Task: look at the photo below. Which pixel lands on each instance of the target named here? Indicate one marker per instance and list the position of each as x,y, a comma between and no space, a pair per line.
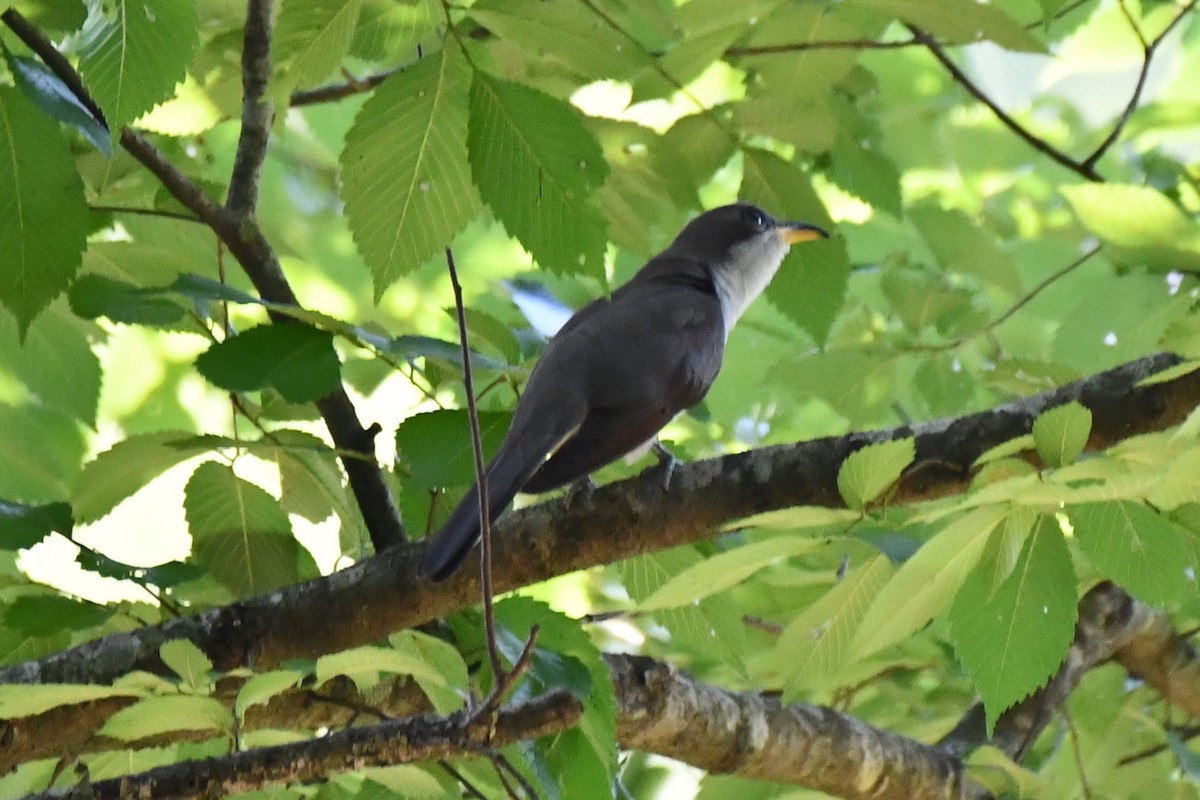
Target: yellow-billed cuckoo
622,367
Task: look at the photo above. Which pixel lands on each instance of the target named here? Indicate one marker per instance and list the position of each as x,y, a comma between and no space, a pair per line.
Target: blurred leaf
98,296
43,615
295,359
859,168
868,472
311,38
132,60
961,21
43,217
388,32
187,661
25,700
366,660
405,179
1061,433
719,572
57,101
261,687
126,467
960,245
24,526
1012,638
445,661
152,716
435,447
55,362
1134,547
1140,221
537,167
41,451
240,533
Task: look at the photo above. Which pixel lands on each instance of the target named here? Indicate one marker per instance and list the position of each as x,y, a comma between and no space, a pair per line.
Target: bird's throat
746,274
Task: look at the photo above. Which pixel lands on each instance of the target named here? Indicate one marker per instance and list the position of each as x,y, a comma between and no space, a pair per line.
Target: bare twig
1148,50
825,44
1036,142
57,63
338,91
257,109
485,517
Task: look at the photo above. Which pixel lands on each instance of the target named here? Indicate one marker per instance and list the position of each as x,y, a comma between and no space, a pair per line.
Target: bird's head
743,246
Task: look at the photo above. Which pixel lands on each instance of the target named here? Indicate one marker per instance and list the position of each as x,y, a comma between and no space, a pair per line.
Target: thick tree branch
257,109
379,595
399,741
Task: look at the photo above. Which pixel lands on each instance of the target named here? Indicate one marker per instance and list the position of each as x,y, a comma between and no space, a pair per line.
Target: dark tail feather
507,473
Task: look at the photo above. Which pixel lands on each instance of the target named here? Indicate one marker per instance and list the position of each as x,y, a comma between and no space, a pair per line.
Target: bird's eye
756,219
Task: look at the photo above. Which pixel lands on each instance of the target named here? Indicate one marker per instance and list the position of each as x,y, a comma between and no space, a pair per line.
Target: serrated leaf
817,644
24,526
95,296
152,716
405,178
961,245
811,283
867,473
57,101
1012,639
1139,220
1180,484
435,447
133,60
538,168
370,659
126,467
961,21
1061,433
1134,547
926,583
297,360
187,661
446,662
311,38
55,361
41,451
26,700
241,534
43,217
263,686
721,571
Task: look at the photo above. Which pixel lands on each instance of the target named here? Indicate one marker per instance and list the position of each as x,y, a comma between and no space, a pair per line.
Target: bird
623,366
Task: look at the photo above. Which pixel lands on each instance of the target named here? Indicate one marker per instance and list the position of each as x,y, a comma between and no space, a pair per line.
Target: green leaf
263,686
961,21
719,572
926,583
861,169
961,245
24,526
1134,547
152,716
538,168
25,700
57,101
311,38
811,283
1140,221
405,178
868,472
816,645
446,662
132,61
95,296
435,447
241,534
1061,433
43,218
187,661
41,451
1011,639
1180,484
295,359
55,361
366,660
47,614
126,467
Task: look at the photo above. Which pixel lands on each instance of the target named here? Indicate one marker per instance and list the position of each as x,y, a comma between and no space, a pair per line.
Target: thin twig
148,212
1148,50
462,779
1037,143
1085,790
339,91
507,765
36,41
826,44
257,108
485,517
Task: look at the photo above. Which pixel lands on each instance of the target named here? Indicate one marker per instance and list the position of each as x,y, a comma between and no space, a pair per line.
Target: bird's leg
582,487
667,462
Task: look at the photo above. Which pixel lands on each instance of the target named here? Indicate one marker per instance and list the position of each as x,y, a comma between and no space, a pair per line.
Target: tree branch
257,110
379,595
1037,143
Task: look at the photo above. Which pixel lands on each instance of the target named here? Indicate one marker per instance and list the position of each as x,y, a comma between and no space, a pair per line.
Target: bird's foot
667,462
577,489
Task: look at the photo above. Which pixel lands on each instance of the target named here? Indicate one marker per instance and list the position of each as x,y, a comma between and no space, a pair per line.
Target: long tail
522,453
